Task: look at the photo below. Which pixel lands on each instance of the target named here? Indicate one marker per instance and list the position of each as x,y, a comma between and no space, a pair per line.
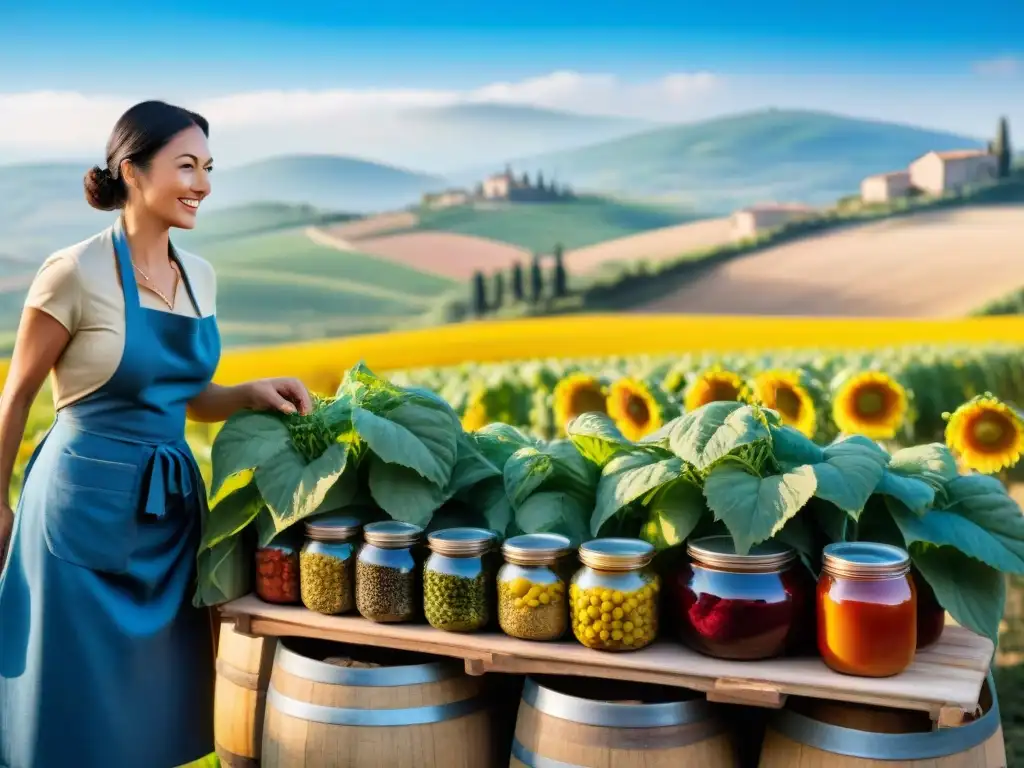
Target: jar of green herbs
458,579
388,572
327,563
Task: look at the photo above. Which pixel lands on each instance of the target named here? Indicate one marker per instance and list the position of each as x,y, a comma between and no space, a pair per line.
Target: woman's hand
6,526
284,395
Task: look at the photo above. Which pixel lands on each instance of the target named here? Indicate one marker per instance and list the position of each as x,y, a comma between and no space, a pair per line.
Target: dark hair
139,134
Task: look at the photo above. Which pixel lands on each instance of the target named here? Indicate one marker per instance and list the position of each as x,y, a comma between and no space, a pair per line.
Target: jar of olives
531,587
327,563
614,595
458,579
387,573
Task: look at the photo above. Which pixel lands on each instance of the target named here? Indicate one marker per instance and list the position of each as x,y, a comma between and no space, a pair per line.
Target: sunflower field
899,395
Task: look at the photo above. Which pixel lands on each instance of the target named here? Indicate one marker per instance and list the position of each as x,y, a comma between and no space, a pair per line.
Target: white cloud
63,123
1003,66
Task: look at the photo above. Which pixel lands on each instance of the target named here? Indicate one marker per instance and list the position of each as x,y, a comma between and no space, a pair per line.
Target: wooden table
945,680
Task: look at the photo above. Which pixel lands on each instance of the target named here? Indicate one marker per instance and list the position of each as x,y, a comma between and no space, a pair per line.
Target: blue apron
103,660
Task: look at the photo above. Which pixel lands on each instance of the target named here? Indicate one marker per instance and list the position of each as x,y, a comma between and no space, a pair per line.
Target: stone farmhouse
502,187
935,173
756,219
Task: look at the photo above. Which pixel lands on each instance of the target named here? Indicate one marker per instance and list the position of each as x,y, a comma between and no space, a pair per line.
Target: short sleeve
57,291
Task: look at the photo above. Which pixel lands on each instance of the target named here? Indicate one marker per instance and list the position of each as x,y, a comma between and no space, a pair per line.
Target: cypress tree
536,280
1003,150
479,295
499,289
517,282
560,282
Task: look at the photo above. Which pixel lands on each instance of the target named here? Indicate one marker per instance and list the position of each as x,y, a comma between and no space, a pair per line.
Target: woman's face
177,180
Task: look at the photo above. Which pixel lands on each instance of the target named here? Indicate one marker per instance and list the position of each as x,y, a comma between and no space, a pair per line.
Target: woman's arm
40,342
218,403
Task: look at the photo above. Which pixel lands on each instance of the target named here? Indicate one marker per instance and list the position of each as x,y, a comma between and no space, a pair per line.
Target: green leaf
224,573
973,593
554,512
673,514
246,441
830,519
624,482
341,494
231,515
915,494
597,438
985,502
471,466
753,508
489,497
556,466
850,472
933,463
704,436
792,448
403,493
499,441
416,435
525,470
293,489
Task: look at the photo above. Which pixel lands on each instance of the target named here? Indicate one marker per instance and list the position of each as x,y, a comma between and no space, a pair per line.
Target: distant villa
504,186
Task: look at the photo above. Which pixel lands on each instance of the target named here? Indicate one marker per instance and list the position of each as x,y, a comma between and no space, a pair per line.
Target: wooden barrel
568,723
855,736
409,712
243,672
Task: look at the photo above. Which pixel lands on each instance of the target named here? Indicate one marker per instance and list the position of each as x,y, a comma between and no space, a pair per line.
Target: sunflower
986,434
786,392
637,408
575,394
475,415
870,403
715,384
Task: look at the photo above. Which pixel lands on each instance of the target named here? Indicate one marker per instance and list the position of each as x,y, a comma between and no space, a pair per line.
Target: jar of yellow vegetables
531,586
614,596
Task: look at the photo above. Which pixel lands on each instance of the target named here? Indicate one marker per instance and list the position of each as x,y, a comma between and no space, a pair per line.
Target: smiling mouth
189,202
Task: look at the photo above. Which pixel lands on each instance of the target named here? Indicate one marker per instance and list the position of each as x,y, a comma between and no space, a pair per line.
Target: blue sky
66,68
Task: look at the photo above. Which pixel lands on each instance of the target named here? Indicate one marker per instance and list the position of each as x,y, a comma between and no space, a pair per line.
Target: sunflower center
870,402
587,401
638,411
989,430
787,402
722,390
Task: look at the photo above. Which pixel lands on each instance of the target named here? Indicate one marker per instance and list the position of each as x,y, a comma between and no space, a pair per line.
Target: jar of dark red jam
867,609
931,617
742,607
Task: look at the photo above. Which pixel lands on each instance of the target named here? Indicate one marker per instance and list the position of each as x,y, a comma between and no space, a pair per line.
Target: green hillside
722,164
539,226
280,287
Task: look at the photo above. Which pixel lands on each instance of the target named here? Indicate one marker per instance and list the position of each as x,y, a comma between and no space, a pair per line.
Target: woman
103,660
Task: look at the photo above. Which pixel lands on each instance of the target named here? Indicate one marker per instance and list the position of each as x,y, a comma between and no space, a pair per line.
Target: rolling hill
932,264
721,164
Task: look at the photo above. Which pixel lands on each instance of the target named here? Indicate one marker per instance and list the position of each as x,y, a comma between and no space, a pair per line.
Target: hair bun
102,190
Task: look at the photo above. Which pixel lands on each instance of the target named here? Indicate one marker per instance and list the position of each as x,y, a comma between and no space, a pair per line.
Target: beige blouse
80,288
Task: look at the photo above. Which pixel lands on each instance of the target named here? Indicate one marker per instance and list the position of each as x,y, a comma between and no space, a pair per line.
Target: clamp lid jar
867,609
532,585
740,606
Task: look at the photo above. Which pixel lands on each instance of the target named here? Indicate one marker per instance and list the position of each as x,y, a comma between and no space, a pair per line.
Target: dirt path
938,264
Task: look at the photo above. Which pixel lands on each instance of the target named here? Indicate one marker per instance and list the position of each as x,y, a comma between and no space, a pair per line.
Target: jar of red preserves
742,607
867,609
931,617
277,573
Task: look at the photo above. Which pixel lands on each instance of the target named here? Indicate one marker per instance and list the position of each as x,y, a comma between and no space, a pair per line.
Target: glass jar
458,579
387,576
741,607
531,586
277,573
931,617
327,563
615,595
867,609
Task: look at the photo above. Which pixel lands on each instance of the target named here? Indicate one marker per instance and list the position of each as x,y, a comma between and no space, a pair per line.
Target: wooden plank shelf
945,680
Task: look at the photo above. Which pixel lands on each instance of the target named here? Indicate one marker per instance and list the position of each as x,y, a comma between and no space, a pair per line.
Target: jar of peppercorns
532,586
327,563
614,595
388,585
277,572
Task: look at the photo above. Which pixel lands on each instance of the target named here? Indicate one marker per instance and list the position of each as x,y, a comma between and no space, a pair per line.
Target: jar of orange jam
867,609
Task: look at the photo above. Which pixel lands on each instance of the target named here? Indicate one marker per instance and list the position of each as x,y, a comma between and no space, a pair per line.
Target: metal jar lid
536,548
865,560
616,554
720,552
392,534
333,527
462,542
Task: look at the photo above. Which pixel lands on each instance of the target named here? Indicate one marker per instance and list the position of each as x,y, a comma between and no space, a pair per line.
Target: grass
257,218
539,226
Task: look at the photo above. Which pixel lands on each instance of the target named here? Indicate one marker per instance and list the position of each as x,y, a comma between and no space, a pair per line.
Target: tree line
519,285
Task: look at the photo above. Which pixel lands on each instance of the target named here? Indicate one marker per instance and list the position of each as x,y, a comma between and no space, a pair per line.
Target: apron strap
188,283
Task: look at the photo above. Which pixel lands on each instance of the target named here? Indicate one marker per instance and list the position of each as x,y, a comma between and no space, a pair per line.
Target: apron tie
168,474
